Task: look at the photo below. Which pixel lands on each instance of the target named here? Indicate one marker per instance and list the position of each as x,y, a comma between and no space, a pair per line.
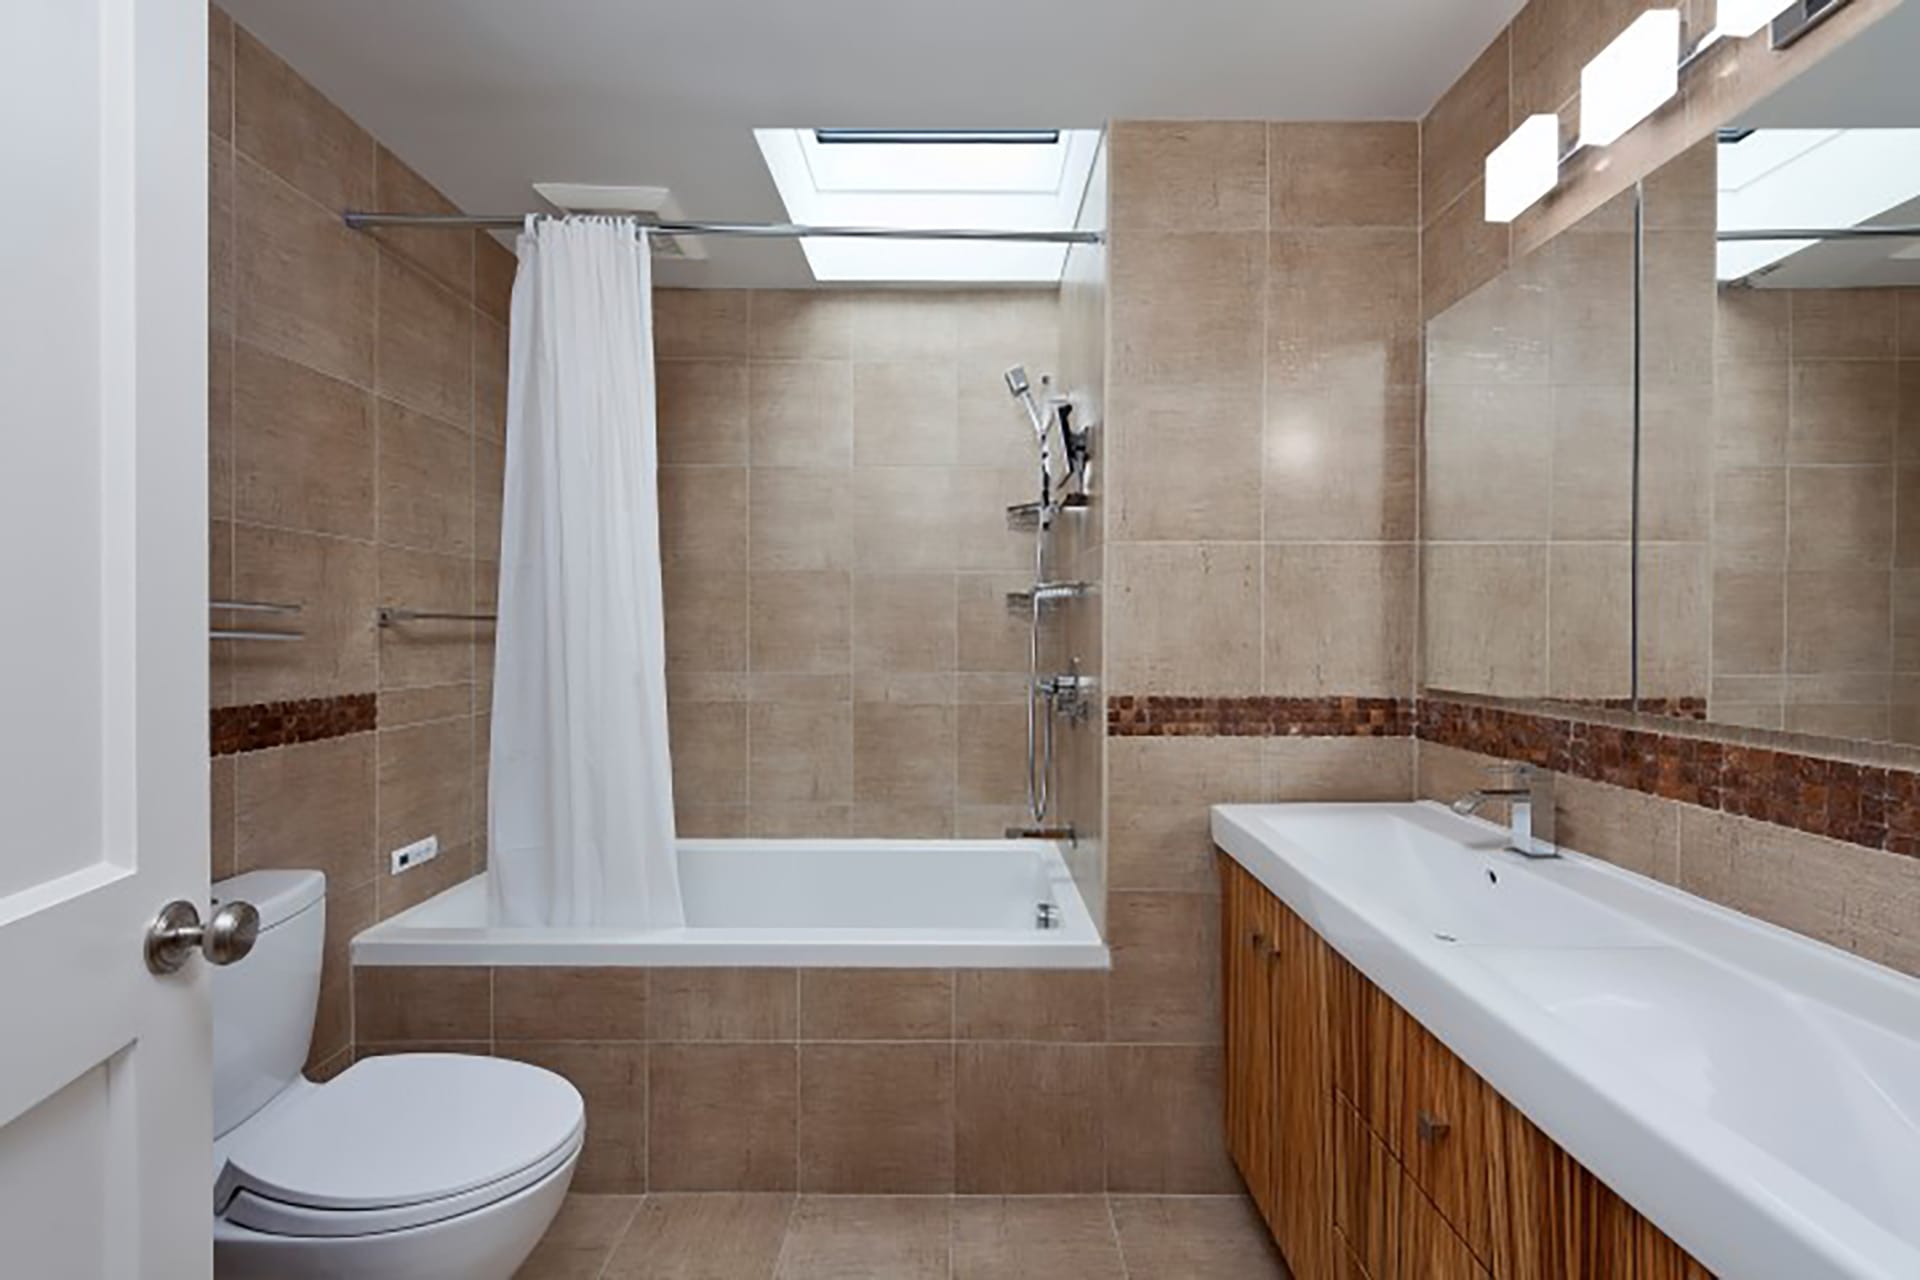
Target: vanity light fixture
1743,18
1631,79
1524,168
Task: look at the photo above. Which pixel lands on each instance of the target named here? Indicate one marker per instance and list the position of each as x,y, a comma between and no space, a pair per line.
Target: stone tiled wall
984,1082
357,408
835,472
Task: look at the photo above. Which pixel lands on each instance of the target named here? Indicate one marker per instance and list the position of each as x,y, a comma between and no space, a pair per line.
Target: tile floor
783,1237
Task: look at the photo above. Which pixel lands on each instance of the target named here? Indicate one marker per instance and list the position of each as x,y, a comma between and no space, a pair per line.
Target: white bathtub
884,904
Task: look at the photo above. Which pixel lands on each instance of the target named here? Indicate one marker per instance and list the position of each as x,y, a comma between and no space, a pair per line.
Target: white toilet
412,1166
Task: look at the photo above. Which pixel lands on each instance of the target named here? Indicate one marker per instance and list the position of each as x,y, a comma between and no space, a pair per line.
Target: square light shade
1631,79
1743,18
1523,169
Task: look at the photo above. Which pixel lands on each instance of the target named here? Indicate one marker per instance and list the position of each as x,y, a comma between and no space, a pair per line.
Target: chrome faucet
1530,820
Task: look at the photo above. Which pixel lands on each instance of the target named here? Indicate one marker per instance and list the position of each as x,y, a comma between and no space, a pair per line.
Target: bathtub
885,904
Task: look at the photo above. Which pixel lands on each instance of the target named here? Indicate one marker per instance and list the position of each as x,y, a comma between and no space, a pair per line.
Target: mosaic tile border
260,725
1863,804
1169,716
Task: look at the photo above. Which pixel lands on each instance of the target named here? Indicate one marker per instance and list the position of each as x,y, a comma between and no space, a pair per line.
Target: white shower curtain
580,809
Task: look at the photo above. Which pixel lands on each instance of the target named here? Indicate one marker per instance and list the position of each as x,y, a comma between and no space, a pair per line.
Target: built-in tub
892,904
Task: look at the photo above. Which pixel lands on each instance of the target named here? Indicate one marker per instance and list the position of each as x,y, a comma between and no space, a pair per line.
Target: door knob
176,933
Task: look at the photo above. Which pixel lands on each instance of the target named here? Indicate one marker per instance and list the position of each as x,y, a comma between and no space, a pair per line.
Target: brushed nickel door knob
176,933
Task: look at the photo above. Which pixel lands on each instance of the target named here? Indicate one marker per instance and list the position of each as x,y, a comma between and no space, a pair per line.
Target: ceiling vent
647,204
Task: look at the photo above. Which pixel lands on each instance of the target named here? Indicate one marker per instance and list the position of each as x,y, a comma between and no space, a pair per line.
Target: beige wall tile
1749,620
1840,517
1322,770
426,652
1797,881
303,283
991,636
800,324
1186,308
1838,621
1843,411
1749,518
582,1235
1344,175
1460,251
490,356
410,1004
419,796
1029,1119
800,413
723,1004
1342,619
905,518
1676,596
302,447
800,622
1006,1238
1159,790
1845,324
700,324
990,761
800,753
904,622
1030,1004
867,1238
221,789
702,411
333,582
890,325
1486,629
1163,1122
426,482
706,620
220,37
1489,462
489,495
903,755
307,806
494,267
1165,985
1635,831
906,413
1184,618
1592,464
1340,463
394,894
1590,621
1754,325
531,1003
425,347
876,1004
877,1118
709,746
1751,400
1188,176
1344,305
703,517
1186,463
612,1079
288,126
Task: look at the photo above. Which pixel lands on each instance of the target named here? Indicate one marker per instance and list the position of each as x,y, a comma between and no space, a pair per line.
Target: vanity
1445,1060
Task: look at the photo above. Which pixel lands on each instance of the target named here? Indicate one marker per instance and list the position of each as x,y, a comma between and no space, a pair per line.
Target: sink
1753,1092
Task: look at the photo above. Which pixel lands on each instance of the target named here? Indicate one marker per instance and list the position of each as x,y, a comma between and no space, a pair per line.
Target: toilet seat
398,1142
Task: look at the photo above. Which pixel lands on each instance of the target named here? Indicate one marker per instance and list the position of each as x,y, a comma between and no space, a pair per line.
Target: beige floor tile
1194,1238
703,1237
1008,1239
577,1244
868,1238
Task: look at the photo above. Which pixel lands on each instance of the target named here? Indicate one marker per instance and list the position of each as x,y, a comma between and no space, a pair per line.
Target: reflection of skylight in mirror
1809,178
1023,182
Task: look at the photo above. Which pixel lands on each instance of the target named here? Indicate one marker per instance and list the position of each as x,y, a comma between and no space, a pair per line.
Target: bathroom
1282,647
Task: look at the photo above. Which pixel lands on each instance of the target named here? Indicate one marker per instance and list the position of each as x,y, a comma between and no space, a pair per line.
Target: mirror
1726,529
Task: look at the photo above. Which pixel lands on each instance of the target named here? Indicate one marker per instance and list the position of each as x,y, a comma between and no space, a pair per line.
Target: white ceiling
486,97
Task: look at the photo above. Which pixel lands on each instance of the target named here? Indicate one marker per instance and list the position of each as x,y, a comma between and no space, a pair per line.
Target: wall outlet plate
416,853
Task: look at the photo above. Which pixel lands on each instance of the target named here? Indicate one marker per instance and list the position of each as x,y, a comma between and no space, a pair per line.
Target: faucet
1530,824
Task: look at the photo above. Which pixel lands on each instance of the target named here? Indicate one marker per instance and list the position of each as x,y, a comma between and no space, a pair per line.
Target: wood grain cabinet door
1303,1093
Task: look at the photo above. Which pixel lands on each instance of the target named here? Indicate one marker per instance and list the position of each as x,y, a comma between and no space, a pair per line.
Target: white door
105,1114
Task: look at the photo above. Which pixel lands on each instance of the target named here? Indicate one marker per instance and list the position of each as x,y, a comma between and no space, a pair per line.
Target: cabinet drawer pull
1255,938
1430,1127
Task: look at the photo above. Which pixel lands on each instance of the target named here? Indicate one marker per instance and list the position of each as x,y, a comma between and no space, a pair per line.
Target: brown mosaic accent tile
1677,708
260,725
1258,717
1862,804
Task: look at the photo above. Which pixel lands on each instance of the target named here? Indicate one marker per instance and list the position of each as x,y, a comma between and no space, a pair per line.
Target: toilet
403,1167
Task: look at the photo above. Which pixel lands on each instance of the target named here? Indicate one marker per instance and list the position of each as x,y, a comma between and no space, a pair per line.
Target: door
105,1114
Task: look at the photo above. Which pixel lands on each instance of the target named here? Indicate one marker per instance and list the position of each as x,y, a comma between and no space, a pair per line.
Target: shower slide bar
360,220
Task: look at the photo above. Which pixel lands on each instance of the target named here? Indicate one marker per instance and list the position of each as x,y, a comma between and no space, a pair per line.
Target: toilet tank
263,1004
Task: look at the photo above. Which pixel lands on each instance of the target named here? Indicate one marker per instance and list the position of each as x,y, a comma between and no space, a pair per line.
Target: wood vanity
1376,1154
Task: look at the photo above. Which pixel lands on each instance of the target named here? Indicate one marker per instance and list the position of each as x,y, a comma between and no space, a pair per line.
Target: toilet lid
405,1130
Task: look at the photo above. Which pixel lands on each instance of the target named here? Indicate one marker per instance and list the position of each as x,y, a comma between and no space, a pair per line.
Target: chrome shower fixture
1022,391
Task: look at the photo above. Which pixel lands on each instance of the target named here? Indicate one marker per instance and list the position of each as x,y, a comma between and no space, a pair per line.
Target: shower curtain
580,808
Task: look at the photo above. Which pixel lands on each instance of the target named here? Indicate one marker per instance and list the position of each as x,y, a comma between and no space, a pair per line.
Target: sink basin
1753,1092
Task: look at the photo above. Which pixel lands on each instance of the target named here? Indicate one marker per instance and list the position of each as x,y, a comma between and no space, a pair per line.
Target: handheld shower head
1022,391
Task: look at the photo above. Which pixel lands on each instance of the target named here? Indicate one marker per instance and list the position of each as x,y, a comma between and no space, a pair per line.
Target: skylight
1015,180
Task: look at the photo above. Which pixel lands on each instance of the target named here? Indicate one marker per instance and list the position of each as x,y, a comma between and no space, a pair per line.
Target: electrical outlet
416,853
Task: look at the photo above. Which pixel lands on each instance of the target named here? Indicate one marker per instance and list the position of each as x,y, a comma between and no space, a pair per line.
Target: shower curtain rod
1823,233
360,221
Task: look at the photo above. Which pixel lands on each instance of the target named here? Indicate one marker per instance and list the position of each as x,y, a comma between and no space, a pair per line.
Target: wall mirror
1724,527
